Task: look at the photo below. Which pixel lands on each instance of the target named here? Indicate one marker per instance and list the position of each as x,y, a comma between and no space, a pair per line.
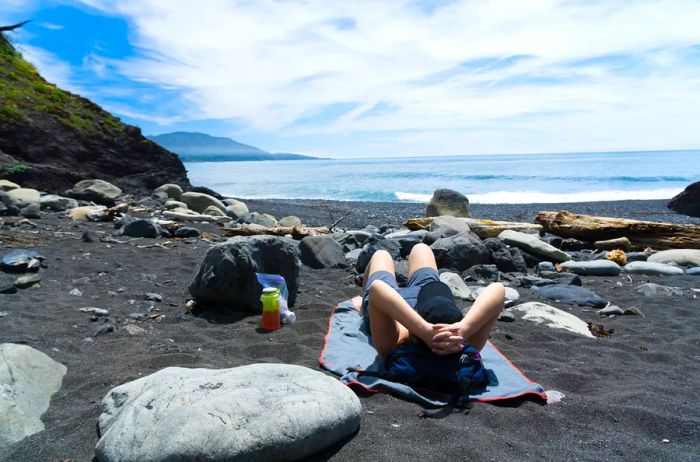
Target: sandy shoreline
624,394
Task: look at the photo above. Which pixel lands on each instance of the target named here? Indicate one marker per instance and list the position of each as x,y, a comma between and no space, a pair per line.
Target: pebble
95,311
76,292
506,316
554,396
153,297
3,314
133,329
104,329
26,281
90,236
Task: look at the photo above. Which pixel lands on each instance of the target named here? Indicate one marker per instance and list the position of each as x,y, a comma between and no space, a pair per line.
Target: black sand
624,394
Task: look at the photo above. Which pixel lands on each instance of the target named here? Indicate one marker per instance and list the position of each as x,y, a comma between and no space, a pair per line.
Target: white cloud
273,64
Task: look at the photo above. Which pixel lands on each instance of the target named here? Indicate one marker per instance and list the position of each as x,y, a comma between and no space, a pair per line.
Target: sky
382,78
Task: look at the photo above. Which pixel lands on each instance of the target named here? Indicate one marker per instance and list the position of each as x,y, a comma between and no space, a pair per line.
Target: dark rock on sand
20,260
226,278
482,272
322,252
687,202
141,227
574,244
592,268
372,246
527,281
90,236
562,278
28,280
460,251
445,226
186,232
8,289
448,202
31,211
506,259
572,295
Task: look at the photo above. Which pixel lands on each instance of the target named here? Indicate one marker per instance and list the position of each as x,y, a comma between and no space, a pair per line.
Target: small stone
104,329
26,281
186,232
90,236
554,396
95,311
153,297
8,289
133,329
3,314
611,310
76,293
31,211
506,316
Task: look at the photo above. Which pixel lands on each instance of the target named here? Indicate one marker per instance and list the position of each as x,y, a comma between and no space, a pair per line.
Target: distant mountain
200,147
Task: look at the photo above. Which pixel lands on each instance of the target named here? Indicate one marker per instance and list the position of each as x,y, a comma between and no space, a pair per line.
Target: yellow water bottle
271,309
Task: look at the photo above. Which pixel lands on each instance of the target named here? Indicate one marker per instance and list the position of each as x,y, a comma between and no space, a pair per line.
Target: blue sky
390,78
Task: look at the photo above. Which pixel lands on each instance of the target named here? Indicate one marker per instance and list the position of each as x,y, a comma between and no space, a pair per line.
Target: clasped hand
447,338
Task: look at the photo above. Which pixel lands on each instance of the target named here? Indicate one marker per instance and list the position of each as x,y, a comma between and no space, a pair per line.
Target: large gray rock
22,197
262,219
592,267
448,202
200,201
390,245
647,267
533,245
98,191
172,205
290,221
141,227
654,290
173,191
235,209
457,286
460,251
683,257
259,412
444,226
552,317
322,252
57,203
213,211
687,201
7,185
28,378
506,259
226,278
573,295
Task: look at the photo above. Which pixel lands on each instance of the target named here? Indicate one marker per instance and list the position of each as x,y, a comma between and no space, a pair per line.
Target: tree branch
14,26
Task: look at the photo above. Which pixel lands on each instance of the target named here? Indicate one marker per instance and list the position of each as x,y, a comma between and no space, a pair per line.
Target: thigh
380,275
421,257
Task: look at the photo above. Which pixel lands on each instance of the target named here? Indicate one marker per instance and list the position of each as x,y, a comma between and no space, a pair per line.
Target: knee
421,247
381,254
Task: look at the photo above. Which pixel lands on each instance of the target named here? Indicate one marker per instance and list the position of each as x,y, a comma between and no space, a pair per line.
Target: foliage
24,95
17,168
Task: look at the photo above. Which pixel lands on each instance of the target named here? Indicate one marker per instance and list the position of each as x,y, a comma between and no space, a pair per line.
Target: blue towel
346,346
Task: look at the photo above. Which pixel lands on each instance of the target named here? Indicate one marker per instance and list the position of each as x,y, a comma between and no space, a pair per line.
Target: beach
629,396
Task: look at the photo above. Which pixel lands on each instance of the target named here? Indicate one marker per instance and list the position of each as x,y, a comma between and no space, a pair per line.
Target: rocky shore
117,293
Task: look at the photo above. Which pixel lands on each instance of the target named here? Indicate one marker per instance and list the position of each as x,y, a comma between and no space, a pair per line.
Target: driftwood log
480,226
642,234
297,232
195,217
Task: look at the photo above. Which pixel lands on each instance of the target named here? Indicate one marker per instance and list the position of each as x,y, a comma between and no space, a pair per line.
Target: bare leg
391,319
380,261
421,257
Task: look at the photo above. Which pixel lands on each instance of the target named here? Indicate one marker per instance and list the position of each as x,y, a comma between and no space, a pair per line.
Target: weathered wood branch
296,232
657,235
195,217
481,227
14,26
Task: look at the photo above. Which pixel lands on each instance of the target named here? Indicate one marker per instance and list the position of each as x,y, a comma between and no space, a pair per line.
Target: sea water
492,179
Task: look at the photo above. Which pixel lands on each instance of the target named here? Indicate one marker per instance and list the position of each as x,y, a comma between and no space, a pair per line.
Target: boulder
172,205
448,202
237,207
21,197
141,228
682,257
687,202
214,211
592,268
562,278
573,295
262,219
98,191
322,252
28,378
654,290
290,221
456,284
7,185
173,191
621,243
552,317
57,203
444,226
226,278
200,201
532,244
186,232
353,255
258,412
506,259
460,251
647,267
31,211
375,244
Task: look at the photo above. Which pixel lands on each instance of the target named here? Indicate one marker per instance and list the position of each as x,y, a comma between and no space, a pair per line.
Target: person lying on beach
390,313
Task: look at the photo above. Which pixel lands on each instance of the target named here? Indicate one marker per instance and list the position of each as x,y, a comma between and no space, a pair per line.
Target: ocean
492,179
